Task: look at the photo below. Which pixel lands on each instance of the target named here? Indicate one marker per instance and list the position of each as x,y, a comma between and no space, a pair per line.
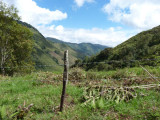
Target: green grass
141,107
126,72
45,97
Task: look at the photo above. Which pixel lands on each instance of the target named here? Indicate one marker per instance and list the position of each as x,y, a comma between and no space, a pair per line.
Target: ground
36,96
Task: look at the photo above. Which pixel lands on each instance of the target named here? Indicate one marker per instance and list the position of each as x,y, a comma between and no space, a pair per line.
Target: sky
105,22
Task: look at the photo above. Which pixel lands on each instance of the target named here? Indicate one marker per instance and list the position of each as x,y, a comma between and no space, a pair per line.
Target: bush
77,74
119,74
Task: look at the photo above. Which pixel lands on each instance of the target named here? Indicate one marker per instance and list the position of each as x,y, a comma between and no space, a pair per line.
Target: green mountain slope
145,45
49,53
87,49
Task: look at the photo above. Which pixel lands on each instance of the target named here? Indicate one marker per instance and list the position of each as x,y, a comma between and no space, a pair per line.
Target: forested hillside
145,45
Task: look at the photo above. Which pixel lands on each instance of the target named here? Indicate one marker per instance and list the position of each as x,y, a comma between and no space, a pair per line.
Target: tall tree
15,41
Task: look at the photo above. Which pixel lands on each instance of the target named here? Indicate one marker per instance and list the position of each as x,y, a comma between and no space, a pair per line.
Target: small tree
15,41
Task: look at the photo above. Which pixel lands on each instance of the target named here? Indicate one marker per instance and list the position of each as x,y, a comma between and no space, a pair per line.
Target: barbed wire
31,81
32,66
79,80
114,61
111,79
104,62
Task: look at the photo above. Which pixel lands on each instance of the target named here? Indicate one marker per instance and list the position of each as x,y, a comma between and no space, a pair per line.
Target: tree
15,41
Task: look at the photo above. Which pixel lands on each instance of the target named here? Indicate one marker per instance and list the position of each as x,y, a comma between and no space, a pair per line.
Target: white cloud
142,14
31,13
42,17
59,28
110,37
80,3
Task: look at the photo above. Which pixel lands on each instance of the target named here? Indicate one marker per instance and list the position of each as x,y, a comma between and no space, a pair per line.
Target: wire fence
115,61
82,80
79,80
83,63
33,66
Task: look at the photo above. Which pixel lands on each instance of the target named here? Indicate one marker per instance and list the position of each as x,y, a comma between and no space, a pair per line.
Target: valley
39,74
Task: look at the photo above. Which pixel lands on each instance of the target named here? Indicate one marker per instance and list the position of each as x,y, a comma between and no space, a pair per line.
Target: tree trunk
2,62
4,56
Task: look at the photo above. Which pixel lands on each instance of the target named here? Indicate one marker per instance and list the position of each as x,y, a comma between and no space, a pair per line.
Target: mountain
87,49
143,46
50,53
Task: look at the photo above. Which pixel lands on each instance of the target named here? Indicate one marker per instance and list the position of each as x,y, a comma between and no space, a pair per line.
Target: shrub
77,74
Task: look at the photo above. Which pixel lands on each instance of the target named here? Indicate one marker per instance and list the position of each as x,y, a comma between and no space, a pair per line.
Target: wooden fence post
65,79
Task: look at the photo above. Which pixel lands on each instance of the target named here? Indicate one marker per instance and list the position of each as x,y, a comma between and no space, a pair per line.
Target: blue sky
88,16
106,22
79,17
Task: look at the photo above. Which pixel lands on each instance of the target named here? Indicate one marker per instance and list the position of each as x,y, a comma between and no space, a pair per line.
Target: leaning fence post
65,79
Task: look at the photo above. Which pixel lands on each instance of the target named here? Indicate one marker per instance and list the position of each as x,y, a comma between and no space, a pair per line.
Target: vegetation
141,47
13,39
37,96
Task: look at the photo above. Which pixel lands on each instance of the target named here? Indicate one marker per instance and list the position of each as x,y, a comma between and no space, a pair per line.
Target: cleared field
37,96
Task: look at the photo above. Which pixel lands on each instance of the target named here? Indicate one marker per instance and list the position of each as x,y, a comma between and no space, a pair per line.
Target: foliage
15,42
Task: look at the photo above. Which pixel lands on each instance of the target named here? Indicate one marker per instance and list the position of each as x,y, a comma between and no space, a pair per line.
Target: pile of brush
97,95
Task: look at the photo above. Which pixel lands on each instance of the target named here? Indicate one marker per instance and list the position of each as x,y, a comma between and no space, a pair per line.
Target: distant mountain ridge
88,49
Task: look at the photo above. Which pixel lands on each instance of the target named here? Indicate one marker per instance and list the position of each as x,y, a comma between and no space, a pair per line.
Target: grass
130,71
18,92
141,107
